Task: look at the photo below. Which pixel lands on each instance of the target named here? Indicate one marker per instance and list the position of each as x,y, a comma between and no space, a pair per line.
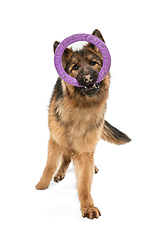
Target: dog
76,123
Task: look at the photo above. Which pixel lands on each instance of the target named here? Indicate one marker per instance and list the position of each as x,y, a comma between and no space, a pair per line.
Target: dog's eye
92,63
75,67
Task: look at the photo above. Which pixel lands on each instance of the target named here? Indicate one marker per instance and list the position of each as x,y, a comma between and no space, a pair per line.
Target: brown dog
76,123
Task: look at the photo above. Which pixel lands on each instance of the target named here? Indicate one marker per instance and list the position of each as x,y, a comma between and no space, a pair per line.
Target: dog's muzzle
87,80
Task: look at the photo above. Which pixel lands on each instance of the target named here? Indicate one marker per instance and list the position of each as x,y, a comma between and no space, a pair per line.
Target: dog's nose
87,78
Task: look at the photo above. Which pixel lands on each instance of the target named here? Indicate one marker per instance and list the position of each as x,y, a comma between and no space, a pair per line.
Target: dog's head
84,65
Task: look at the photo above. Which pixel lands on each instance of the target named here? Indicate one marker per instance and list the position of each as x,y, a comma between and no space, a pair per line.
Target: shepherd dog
76,123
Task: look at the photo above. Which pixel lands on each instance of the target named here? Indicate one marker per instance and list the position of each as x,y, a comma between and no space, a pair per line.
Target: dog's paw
41,185
90,212
59,177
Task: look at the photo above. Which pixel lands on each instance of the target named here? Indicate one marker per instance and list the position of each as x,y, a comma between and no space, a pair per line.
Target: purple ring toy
81,37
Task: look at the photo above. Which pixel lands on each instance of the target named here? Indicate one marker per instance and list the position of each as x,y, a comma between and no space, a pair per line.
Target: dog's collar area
87,38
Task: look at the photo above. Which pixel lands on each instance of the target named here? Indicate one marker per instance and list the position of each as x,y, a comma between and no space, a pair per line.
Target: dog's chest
82,127
79,121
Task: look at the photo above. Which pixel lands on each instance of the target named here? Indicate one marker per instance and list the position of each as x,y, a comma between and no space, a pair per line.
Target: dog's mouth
91,89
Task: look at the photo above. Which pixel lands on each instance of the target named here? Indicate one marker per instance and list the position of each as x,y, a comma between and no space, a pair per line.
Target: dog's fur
76,123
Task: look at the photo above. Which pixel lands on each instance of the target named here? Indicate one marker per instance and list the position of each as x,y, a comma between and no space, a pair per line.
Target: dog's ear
98,34
56,43
67,53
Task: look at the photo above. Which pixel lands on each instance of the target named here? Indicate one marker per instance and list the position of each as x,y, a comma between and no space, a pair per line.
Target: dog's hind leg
54,154
60,175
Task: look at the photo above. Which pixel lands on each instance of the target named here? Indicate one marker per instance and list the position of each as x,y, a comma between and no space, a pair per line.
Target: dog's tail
113,135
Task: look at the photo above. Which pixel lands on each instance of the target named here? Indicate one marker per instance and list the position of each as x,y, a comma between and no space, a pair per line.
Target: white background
129,188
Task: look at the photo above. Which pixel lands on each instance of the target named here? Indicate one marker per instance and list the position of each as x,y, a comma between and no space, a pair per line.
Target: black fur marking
58,91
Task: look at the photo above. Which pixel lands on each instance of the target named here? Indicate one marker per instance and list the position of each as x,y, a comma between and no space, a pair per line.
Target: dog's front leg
54,153
84,168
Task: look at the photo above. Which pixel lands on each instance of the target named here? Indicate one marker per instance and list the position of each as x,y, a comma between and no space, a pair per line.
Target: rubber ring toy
81,37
